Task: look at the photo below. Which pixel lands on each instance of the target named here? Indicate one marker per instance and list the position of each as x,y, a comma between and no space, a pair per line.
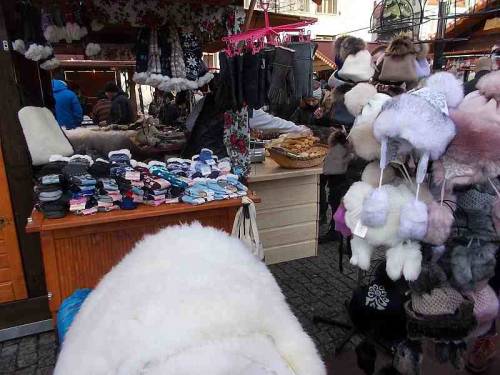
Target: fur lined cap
351,46
400,46
448,85
358,97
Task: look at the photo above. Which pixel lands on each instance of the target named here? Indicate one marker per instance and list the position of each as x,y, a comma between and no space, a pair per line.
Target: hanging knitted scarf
154,65
142,55
237,140
165,52
177,56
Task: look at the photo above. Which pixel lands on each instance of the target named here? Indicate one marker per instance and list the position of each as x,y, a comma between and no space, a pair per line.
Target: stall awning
324,57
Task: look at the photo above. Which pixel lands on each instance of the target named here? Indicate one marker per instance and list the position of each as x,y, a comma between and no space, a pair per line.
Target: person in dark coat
483,67
121,110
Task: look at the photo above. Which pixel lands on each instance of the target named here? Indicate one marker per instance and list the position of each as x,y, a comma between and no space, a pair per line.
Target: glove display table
79,250
287,217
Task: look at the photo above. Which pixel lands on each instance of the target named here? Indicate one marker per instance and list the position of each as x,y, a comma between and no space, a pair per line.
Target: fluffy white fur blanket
187,301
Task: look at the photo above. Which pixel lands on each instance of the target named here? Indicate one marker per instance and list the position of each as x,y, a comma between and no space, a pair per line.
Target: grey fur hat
351,46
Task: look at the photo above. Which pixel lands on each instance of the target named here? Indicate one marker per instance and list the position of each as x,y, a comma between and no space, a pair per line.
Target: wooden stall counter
287,217
79,250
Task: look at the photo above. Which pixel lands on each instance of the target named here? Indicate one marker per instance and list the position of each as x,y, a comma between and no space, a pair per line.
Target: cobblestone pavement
312,286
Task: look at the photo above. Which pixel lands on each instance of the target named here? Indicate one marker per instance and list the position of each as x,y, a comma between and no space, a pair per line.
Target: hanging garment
193,55
282,88
237,140
142,55
165,52
250,77
303,68
177,57
226,92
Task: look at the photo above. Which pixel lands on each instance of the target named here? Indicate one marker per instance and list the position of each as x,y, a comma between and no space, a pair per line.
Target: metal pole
440,34
251,8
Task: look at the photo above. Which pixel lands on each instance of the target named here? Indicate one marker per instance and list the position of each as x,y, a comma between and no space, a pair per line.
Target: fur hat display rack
429,199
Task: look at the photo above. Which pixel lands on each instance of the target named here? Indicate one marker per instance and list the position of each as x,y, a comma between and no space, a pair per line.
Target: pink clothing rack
257,38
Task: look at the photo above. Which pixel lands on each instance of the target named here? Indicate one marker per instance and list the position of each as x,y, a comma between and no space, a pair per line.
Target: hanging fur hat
489,85
440,220
486,308
356,98
400,46
431,277
351,46
473,155
404,259
413,220
357,67
337,46
421,50
361,136
419,120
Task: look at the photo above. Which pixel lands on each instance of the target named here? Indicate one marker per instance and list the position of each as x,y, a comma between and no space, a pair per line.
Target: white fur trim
448,85
18,45
78,156
404,259
125,151
140,78
50,64
102,160
92,49
356,98
361,253
155,79
413,221
375,208
129,331
364,142
141,164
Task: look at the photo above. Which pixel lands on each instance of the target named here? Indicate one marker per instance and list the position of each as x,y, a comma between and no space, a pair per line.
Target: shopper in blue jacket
68,109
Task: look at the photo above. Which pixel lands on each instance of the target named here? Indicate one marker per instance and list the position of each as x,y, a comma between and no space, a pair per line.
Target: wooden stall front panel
12,284
79,256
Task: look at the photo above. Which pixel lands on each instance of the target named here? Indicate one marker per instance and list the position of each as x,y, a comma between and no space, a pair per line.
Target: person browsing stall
121,109
69,113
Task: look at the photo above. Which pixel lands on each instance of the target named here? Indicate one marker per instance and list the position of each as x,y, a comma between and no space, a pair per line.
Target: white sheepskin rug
188,301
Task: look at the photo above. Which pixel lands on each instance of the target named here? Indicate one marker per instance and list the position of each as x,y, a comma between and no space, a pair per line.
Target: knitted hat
440,301
485,309
358,67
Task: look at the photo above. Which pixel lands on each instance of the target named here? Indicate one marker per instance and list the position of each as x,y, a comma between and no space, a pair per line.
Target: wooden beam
248,20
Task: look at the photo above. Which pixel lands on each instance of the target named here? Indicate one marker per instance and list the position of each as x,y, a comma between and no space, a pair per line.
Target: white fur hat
358,67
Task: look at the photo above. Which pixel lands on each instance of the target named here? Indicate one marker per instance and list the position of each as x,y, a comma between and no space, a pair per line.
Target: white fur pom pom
50,64
375,208
19,46
447,84
361,253
34,52
413,220
404,259
92,49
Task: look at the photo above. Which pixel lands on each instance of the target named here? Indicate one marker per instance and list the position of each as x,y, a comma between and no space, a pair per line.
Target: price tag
360,230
